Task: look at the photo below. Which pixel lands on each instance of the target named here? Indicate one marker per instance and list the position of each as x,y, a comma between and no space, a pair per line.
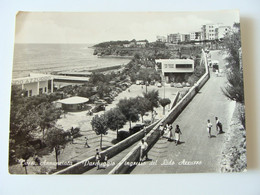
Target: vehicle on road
159,85
136,128
98,108
215,65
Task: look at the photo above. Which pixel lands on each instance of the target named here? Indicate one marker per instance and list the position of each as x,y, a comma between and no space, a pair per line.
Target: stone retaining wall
152,137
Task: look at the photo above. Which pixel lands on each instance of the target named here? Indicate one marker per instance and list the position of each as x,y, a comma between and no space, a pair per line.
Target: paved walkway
197,152
77,151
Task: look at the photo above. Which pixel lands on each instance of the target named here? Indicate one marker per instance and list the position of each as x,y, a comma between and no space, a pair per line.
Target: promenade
197,152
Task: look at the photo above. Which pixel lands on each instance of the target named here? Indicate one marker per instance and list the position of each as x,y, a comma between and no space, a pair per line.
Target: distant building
35,84
208,31
195,36
170,67
222,31
161,39
174,38
141,43
185,37
214,31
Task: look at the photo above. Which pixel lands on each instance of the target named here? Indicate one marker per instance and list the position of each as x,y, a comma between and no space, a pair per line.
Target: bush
123,135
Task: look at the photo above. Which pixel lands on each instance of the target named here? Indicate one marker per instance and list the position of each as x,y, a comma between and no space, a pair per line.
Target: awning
74,100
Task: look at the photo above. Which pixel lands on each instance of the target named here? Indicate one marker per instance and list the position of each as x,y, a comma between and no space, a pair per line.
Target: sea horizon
55,57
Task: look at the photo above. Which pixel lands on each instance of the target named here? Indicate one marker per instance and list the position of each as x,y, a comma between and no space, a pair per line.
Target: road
197,152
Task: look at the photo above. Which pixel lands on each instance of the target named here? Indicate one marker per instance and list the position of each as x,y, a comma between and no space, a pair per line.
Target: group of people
100,161
167,132
219,128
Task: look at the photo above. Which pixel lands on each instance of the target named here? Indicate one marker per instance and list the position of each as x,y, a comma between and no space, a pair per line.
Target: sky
94,27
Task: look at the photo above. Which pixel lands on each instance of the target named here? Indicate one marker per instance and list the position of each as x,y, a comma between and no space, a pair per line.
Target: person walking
209,126
86,142
169,133
218,126
97,157
161,129
143,152
177,134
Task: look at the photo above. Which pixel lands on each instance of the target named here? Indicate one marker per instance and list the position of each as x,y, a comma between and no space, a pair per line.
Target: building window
183,65
45,89
165,65
30,93
40,90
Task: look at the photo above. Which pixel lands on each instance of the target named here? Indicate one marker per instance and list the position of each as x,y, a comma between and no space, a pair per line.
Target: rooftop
74,100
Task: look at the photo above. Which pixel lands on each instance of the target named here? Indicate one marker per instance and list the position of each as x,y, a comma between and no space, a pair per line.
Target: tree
47,115
100,126
234,89
116,119
56,139
142,106
153,98
103,89
128,108
164,102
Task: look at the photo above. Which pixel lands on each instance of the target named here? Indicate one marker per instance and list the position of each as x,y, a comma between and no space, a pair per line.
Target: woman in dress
170,133
177,134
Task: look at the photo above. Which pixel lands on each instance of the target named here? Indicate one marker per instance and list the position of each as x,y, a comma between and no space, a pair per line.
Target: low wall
88,163
132,158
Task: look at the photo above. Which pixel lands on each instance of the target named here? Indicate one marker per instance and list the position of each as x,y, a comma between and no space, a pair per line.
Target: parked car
136,128
98,108
138,82
159,85
215,65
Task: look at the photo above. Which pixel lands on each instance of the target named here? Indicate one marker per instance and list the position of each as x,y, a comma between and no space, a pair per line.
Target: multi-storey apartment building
174,38
222,31
195,36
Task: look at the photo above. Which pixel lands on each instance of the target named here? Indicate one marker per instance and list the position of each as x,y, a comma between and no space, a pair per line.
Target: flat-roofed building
35,84
75,103
195,36
171,67
222,31
174,38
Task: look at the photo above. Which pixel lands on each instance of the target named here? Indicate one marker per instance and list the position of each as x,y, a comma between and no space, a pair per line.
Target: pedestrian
71,135
218,126
166,130
105,160
37,160
177,134
161,129
169,136
97,157
86,142
143,152
209,126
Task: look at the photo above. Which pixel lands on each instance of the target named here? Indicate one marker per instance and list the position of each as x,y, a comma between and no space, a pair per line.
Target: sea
49,58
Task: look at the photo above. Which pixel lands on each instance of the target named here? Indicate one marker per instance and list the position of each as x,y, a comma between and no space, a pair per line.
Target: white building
171,67
208,31
174,38
35,84
161,39
222,31
195,36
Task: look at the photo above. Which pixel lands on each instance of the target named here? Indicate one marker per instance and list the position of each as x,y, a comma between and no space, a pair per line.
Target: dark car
136,128
98,108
